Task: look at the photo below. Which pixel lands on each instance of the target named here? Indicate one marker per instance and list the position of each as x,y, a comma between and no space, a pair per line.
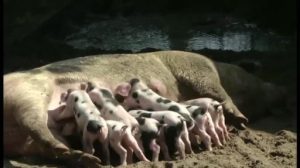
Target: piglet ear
63,97
123,89
83,86
90,86
70,90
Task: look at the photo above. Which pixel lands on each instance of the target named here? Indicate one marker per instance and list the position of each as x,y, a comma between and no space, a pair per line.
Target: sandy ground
269,142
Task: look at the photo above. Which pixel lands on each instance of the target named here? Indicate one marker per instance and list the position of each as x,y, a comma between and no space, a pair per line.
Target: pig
203,123
89,122
112,110
109,107
176,128
216,111
29,95
136,94
150,133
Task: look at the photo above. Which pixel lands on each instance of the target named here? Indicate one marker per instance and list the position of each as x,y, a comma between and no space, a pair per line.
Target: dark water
136,33
221,37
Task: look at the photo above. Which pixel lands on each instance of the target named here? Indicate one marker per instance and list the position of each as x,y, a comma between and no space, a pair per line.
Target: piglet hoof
209,148
122,165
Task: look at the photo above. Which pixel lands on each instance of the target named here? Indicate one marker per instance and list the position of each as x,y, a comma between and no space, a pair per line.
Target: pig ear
63,97
70,90
83,86
90,86
123,89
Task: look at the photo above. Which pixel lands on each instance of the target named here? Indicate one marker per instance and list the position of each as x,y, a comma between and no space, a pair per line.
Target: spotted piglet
112,110
150,132
88,120
175,130
117,133
204,126
137,94
216,111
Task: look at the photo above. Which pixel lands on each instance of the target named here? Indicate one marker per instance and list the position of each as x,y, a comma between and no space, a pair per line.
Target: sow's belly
16,140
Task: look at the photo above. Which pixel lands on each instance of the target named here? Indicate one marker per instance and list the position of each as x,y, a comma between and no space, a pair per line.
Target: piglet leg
205,138
212,132
87,143
164,147
131,141
223,126
122,152
186,140
155,149
105,145
181,148
220,132
193,139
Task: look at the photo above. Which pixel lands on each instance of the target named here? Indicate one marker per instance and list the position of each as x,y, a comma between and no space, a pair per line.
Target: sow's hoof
81,159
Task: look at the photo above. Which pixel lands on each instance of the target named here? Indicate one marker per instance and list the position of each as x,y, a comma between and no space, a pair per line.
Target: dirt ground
269,142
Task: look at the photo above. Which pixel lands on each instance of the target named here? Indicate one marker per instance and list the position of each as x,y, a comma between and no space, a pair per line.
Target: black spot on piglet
134,81
141,120
134,95
166,101
99,107
147,115
119,98
93,126
198,111
174,108
76,99
159,100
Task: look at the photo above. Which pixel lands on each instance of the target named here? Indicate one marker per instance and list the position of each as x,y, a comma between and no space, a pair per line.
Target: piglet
137,94
204,124
175,129
216,111
112,110
88,120
150,132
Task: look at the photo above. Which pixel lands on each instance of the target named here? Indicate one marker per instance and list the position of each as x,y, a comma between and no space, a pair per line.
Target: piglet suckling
216,111
118,133
112,110
204,126
150,132
137,95
175,130
88,120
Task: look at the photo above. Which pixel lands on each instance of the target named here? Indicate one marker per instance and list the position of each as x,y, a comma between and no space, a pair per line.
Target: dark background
34,30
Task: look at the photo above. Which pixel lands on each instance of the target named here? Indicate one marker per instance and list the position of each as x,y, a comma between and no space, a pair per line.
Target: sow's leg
28,105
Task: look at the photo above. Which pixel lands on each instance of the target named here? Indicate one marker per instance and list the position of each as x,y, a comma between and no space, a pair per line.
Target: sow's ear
123,89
